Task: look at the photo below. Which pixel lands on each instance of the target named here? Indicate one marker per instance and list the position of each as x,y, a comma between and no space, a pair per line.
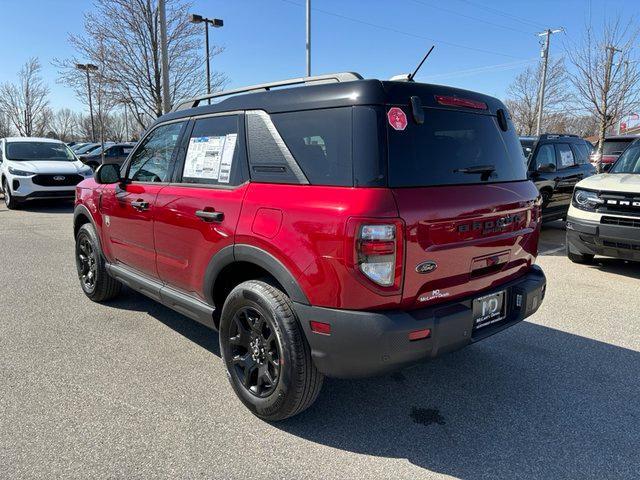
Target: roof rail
317,79
556,135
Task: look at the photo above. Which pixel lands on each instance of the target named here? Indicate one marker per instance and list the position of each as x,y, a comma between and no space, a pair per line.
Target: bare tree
25,103
523,96
122,37
606,77
64,124
5,126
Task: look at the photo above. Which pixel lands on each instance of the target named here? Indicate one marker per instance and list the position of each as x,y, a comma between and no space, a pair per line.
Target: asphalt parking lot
131,389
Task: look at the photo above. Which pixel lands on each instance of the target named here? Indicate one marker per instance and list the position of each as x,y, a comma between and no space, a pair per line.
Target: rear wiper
486,169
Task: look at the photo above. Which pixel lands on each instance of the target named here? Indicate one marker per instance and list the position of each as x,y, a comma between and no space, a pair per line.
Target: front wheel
9,200
267,357
582,258
95,281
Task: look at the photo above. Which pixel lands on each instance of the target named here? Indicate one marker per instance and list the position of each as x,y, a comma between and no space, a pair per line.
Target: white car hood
612,182
46,166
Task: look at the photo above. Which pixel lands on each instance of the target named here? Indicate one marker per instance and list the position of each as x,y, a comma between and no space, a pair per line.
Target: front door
198,213
128,209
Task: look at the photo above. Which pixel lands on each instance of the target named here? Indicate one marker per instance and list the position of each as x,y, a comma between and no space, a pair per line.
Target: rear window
615,147
35,151
445,149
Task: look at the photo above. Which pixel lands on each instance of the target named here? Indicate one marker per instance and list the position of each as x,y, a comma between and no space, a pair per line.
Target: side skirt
170,297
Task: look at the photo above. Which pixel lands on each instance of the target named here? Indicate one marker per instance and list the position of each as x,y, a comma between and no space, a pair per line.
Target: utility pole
166,101
544,53
611,50
308,38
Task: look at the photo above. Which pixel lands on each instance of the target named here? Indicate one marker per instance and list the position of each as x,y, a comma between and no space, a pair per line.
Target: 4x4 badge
426,267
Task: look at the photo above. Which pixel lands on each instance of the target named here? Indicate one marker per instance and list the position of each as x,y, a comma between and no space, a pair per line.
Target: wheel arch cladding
245,256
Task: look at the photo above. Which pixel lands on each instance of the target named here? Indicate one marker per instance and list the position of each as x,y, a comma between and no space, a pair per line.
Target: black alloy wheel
255,352
87,264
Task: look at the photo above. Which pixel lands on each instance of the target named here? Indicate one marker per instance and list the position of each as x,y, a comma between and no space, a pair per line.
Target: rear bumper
369,343
593,238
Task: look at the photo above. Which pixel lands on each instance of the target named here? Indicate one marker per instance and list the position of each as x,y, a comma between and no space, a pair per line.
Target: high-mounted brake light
460,102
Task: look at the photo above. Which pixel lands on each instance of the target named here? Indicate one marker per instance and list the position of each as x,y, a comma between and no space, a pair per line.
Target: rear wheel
267,357
584,258
95,281
9,200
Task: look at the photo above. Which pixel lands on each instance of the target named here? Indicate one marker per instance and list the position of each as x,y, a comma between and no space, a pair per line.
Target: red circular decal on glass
397,118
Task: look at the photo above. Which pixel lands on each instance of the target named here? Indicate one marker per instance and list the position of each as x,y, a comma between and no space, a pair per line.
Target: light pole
166,101
308,38
87,67
215,23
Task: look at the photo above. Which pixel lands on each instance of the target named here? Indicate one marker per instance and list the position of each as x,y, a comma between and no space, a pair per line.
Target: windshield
86,148
629,161
39,151
615,147
527,147
454,147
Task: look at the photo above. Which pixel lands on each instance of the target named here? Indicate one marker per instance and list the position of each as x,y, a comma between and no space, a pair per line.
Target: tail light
378,253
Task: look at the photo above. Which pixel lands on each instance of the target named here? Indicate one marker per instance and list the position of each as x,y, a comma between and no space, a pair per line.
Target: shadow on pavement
531,402
47,206
615,265
190,329
535,403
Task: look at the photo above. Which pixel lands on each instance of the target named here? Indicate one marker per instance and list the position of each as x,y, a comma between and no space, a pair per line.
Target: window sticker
210,157
566,158
227,157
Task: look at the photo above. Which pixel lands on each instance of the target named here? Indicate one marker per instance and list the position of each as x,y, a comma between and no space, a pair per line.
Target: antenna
410,77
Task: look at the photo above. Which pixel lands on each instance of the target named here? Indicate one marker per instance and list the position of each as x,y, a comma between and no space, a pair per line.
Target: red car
612,148
345,227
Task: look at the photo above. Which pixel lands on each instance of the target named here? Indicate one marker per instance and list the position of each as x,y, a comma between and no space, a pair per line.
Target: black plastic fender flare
257,256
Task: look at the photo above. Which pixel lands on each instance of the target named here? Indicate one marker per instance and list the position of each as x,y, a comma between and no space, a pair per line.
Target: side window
581,152
213,155
153,159
545,160
320,141
565,156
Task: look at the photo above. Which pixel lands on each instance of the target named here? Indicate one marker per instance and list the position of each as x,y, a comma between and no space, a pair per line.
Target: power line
402,32
477,70
475,19
504,14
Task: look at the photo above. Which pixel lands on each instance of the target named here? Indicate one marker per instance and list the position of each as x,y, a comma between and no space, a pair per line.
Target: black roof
338,94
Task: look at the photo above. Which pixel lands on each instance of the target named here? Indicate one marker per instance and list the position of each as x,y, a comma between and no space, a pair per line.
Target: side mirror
107,173
606,167
549,167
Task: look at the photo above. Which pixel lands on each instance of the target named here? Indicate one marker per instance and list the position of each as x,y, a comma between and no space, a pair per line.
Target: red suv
345,227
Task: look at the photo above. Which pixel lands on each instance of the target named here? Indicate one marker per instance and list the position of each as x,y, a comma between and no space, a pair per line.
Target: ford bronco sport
604,217
345,227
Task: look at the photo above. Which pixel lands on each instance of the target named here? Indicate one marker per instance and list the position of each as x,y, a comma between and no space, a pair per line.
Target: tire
266,354
9,200
582,258
95,281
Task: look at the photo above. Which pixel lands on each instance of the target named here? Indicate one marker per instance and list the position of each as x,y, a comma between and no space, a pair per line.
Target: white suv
38,168
604,216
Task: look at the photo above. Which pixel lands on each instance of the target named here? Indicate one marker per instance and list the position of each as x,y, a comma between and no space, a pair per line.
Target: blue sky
480,44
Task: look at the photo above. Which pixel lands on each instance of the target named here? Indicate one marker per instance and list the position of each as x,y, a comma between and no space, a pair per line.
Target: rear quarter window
449,141
320,142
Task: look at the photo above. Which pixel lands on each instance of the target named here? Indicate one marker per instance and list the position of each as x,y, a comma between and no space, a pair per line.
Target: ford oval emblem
426,267
58,178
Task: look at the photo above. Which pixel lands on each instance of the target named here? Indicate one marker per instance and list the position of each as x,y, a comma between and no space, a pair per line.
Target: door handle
207,216
140,205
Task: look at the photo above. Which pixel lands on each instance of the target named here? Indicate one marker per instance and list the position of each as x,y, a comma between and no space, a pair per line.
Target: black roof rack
558,135
317,79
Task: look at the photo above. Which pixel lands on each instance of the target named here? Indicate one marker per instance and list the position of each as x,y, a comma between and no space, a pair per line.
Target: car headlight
86,171
20,173
586,200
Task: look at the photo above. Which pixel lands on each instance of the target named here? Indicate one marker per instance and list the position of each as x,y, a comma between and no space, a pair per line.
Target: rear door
197,214
461,188
128,210
569,173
